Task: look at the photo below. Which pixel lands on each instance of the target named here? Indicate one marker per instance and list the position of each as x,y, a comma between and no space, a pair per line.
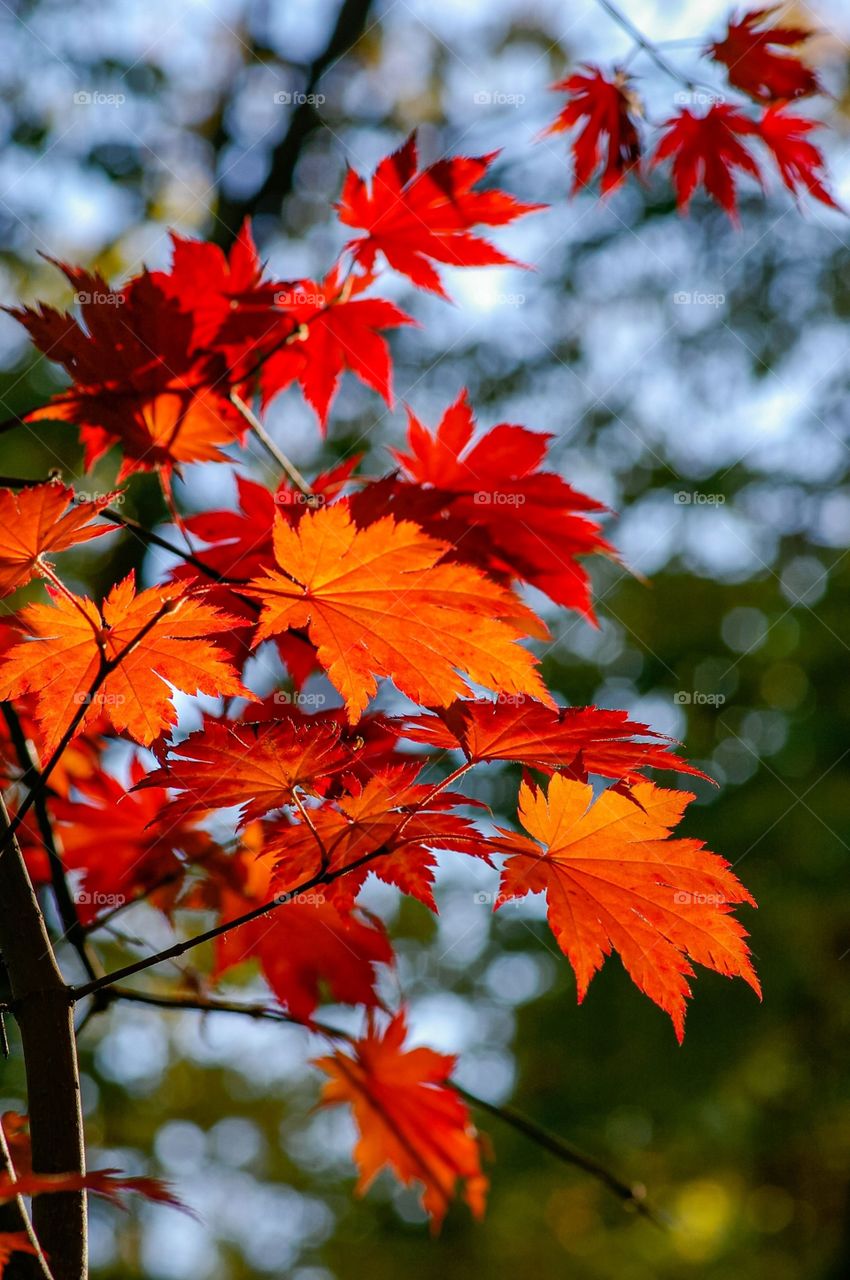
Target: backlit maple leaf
407,1117
334,329
751,53
254,766
380,601
148,848
493,503
706,149
35,521
109,1183
390,816
304,947
164,637
615,881
137,377
609,137
576,741
799,161
416,217
223,294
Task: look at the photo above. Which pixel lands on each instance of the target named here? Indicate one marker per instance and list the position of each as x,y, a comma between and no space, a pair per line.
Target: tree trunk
44,1015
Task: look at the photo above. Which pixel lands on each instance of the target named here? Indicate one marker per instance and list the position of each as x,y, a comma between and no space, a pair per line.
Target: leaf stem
269,445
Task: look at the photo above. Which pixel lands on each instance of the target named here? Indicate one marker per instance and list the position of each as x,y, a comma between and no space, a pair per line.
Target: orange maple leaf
36,520
614,881
391,816
379,602
407,1117
256,766
161,637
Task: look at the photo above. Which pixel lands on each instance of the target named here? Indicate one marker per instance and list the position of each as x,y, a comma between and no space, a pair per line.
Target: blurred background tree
696,380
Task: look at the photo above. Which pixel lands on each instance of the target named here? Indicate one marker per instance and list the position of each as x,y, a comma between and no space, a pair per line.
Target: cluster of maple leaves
412,578
706,145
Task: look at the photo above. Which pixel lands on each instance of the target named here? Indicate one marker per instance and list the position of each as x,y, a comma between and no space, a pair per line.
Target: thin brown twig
269,445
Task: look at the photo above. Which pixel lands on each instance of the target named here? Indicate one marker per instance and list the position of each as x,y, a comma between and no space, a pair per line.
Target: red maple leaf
575,741
148,849
303,947
495,506
109,1183
411,215
799,161
609,137
138,378
614,880
706,149
334,329
13,1242
256,766
224,294
750,51
407,1117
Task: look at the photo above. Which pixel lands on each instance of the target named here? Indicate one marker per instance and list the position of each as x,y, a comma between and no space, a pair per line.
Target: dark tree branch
350,25
71,926
43,1011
